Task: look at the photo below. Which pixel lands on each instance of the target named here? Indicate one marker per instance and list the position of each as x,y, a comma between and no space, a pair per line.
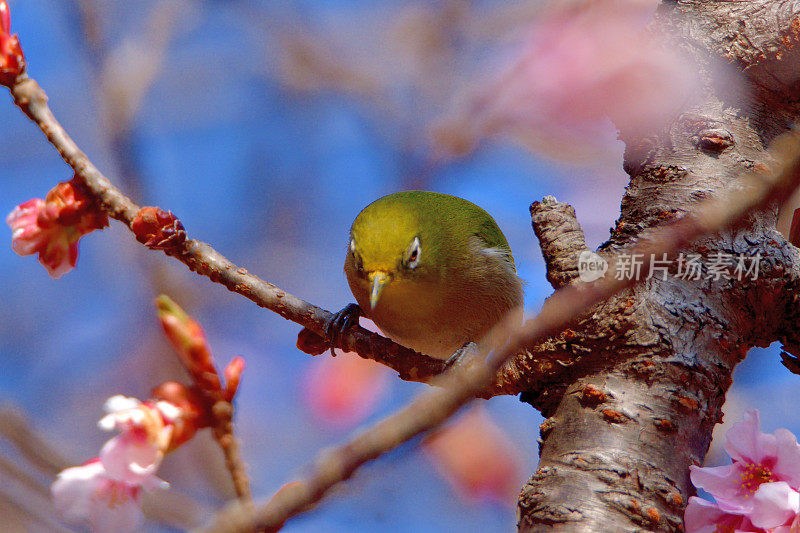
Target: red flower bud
233,374
69,204
12,60
186,336
158,229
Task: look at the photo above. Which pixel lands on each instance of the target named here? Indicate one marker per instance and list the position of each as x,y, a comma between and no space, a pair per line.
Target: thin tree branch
462,384
213,397
203,259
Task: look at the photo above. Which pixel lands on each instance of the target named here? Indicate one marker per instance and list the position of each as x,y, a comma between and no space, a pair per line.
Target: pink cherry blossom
53,226
56,245
89,495
477,458
105,492
757,458
775,505
758,491
146,430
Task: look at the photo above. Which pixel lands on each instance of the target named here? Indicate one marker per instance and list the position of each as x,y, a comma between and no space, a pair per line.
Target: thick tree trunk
649,369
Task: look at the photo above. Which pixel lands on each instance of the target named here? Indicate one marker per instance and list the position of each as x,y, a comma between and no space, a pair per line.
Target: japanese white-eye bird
433,271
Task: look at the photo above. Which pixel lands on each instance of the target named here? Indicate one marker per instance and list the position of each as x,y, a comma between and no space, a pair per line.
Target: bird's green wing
490,233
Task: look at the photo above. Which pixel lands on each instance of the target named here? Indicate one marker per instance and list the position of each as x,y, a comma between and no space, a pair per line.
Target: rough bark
649,369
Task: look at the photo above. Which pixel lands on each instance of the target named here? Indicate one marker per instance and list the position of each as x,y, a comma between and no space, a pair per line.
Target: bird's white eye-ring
352,246
413,254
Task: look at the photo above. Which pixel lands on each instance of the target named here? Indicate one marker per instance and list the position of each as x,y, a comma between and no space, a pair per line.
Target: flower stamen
753,475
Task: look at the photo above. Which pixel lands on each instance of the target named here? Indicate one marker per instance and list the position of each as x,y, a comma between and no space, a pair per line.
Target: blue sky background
271,175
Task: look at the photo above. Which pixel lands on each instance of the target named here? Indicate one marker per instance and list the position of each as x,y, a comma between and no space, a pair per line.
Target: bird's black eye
413,254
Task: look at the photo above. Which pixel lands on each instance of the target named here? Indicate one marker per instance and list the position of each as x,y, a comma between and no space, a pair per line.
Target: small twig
223,433
461,385
209,397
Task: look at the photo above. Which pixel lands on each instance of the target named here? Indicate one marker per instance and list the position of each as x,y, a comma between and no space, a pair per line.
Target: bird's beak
379,280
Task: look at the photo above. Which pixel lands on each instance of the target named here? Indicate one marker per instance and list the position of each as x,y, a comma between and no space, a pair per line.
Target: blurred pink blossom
53,226
578,66
105,492
89,495
344,390
760,485
478,459
146,430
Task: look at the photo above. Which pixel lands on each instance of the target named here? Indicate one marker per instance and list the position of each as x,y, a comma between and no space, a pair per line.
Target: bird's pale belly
432,322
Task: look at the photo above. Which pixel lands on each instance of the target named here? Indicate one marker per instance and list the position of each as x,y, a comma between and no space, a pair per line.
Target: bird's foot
463,357
341,322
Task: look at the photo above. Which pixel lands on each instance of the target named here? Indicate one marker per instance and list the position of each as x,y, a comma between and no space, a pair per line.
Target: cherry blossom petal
706,517
792,526
774,504
26,235
119,402
169,411
722,482
130,457
787,465
745,442
59,255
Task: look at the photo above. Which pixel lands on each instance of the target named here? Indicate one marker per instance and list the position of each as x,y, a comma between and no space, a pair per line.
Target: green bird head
417,238
386,245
